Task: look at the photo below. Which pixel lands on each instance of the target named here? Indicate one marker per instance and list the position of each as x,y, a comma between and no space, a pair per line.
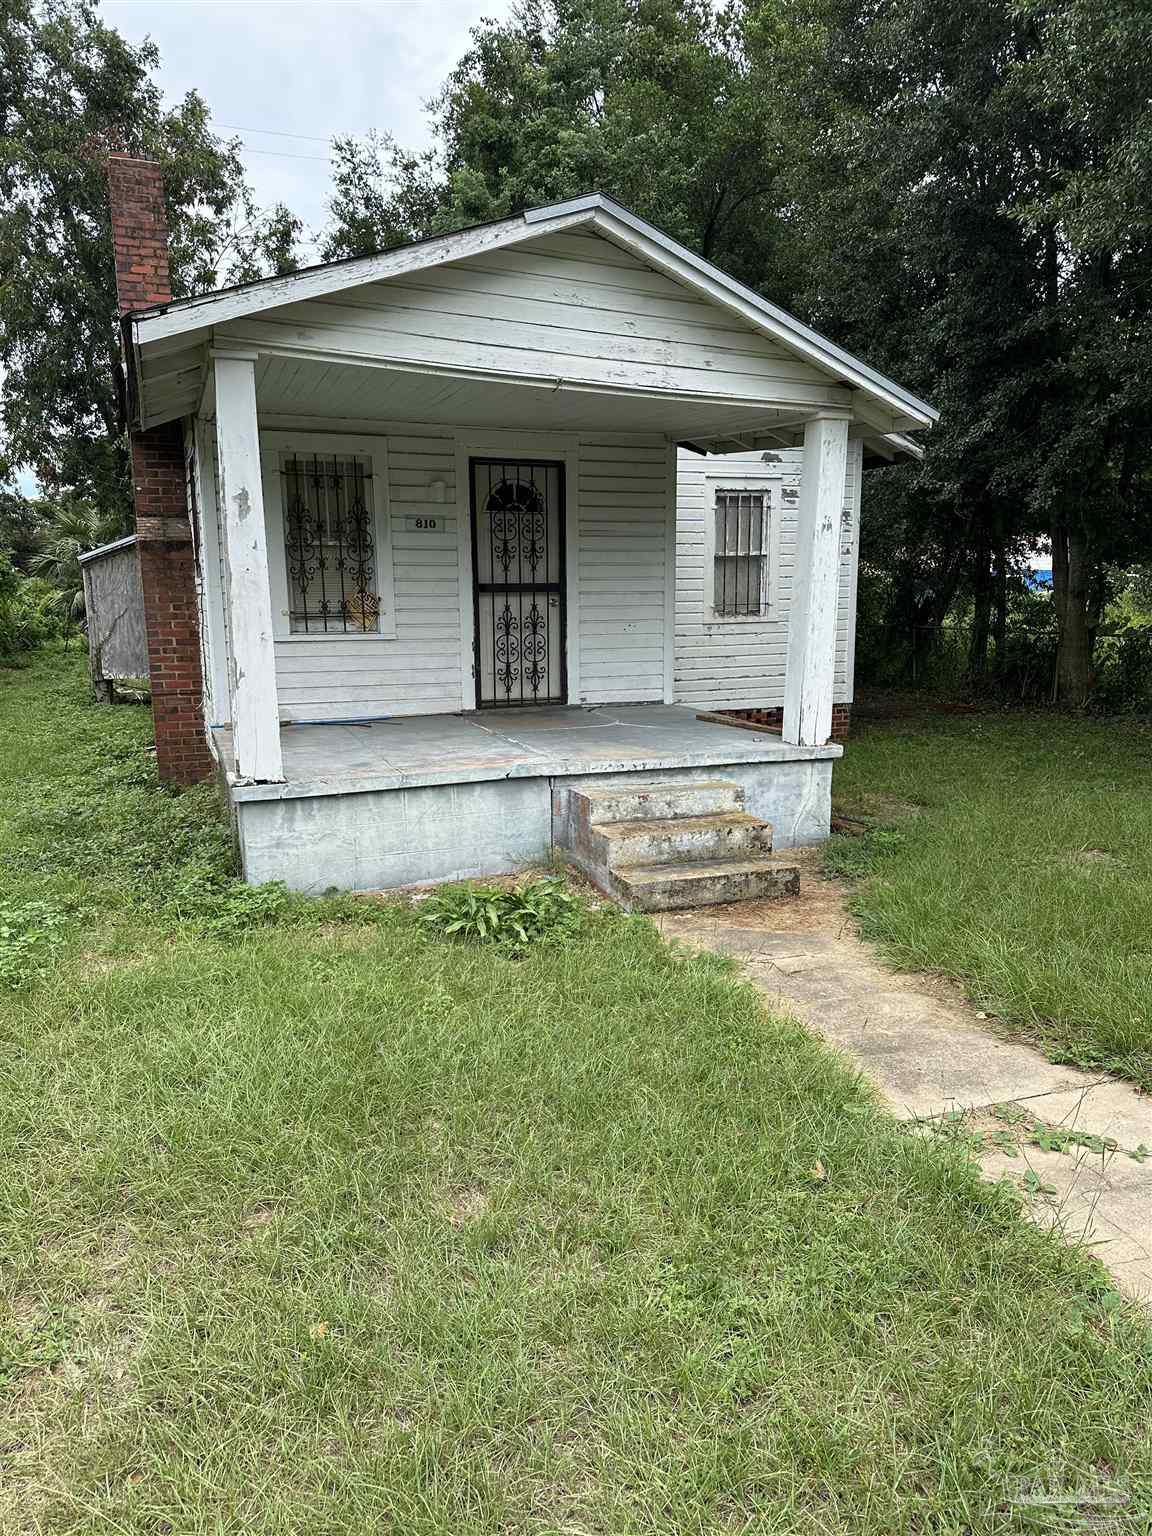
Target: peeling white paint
811,672
255,709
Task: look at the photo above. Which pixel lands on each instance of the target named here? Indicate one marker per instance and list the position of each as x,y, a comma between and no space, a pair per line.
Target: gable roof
193,319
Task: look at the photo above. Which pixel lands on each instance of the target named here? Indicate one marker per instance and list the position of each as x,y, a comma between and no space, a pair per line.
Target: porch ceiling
356,398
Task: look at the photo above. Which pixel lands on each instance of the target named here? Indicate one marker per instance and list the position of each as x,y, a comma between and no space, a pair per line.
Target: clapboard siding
741,664
417,673
624,499
573,307
621,497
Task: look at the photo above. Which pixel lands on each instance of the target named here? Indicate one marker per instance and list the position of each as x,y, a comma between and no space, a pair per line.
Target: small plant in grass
28,934
1022,1129
532,913
227,913
855,856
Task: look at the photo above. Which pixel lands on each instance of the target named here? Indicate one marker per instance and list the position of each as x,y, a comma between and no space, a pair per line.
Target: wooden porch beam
808,683
252,661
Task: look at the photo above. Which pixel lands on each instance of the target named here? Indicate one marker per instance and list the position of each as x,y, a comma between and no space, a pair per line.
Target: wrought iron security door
518,577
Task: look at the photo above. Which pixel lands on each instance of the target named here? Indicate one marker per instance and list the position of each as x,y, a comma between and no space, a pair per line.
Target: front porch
425,798
446,477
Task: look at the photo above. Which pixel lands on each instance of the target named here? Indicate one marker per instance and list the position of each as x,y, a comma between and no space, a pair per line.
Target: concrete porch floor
541,741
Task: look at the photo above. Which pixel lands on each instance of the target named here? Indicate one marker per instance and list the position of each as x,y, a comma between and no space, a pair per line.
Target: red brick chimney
163,526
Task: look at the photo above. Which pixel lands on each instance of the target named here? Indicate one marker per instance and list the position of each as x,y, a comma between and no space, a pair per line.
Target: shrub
227,913
1124,671
29,611
535,912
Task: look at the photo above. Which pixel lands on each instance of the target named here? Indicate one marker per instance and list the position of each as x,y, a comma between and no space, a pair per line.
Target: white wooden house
441,576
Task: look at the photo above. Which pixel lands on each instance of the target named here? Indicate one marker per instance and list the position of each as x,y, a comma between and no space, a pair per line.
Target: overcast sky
314,68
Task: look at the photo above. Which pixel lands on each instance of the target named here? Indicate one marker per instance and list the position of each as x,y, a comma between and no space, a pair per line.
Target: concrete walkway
932,1058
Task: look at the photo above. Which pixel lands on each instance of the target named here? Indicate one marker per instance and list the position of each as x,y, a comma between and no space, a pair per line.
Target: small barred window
740,566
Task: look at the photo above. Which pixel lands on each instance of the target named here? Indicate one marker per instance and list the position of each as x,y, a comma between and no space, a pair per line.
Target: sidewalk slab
928,1053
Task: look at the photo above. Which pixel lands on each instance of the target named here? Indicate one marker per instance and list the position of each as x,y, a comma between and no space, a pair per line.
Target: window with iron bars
330,545
740,554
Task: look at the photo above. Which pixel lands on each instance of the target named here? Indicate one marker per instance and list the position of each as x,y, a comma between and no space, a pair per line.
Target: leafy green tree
646,100
21,523
70,527
381,197
933,170
1092,65
71,89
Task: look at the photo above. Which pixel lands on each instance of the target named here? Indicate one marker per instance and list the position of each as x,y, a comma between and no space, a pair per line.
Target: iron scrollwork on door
519,582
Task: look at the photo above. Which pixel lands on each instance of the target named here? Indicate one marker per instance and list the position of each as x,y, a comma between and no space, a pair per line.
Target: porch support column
816,583
247,594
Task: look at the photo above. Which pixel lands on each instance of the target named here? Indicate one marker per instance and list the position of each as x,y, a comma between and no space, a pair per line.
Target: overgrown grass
334,1226
1014,851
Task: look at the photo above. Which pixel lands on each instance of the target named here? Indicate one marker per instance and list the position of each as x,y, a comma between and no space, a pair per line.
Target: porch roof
167,348
297,394
534,742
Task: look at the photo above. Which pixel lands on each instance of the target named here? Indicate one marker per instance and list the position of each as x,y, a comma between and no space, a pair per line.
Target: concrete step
656,802
663,887
680,839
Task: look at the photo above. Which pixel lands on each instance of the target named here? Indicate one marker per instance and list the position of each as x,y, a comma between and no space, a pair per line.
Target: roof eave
785,326
610,219
163,320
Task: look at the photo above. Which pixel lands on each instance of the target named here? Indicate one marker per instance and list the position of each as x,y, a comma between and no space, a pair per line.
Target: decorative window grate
330,544
741,553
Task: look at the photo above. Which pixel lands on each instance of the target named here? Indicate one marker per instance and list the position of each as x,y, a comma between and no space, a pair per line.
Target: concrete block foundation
382,839
458,797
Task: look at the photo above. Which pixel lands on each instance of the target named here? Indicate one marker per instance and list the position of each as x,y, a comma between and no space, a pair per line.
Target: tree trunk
981,611
1070,592
1000,610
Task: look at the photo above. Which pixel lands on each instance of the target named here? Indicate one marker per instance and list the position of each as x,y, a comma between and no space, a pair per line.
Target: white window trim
375,449
773,485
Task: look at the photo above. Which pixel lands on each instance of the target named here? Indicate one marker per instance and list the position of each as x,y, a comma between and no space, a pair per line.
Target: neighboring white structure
444,479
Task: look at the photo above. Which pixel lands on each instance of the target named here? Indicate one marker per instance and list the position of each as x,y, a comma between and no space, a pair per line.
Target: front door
518,580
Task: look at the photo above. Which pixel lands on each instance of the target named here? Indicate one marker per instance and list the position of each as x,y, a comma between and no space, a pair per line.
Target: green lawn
314,1223
1014,851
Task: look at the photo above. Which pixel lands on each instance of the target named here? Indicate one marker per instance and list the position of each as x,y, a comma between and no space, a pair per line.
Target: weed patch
99,823
535,912
29,934
854,856
1018,1128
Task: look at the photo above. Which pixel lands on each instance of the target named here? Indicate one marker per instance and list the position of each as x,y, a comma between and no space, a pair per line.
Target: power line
277,133
282,154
